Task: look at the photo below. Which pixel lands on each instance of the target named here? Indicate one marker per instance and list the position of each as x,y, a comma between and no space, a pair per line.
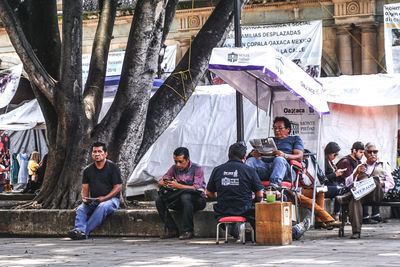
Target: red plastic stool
234,219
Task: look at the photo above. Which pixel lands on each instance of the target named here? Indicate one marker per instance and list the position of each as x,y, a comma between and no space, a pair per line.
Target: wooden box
273,223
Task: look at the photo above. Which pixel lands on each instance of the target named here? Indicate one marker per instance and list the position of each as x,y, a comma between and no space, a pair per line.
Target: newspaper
264,146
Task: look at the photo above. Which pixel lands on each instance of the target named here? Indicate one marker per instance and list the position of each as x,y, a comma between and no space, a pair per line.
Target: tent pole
239,97
316,169
270,113
258,123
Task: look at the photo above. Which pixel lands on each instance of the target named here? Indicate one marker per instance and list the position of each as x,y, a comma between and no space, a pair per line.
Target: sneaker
169,234
301,228
369,221
186,235
76,234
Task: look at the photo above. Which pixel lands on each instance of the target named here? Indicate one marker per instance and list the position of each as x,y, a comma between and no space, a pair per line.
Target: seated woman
332,173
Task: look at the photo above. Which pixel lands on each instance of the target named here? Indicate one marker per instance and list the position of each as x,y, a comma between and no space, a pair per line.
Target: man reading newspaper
276,168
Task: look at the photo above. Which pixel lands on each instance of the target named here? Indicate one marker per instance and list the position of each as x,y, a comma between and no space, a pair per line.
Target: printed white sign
286,217
303,119
301,42
392,37
115,60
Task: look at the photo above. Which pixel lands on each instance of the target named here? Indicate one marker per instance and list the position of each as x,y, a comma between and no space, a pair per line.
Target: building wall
362,18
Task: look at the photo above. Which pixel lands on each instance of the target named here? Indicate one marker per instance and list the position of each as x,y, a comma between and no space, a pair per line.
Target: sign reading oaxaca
301,42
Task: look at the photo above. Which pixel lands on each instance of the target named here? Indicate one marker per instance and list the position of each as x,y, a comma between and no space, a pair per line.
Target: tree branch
94,87
71,53
165,104
137,71
32,65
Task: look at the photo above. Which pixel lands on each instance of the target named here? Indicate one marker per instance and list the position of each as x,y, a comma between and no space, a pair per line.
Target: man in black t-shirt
102,179
233,183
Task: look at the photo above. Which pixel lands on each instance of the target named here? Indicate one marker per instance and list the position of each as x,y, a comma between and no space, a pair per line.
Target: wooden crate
273,223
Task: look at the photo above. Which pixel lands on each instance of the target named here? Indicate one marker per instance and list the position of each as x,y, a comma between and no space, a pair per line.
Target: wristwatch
285,156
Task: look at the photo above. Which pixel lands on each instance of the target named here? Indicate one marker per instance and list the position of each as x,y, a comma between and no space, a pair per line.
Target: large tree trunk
212,34
134,121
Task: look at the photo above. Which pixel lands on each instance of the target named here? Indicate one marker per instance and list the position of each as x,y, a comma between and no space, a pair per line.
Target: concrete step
16,196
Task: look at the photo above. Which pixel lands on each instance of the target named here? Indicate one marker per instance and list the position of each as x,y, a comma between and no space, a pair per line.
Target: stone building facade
352,30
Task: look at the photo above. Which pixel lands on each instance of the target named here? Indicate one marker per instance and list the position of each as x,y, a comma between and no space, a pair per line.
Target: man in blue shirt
233,183
277,168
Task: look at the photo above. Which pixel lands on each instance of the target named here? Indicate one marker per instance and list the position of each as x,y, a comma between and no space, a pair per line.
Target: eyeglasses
335,154
278,128
372,151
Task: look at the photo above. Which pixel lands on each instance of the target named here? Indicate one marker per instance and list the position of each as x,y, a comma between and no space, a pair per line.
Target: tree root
29,205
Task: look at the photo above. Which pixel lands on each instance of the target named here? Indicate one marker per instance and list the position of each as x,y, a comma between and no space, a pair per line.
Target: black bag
171,196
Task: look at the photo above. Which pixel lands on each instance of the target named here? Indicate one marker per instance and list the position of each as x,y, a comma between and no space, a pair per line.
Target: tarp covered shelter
207,125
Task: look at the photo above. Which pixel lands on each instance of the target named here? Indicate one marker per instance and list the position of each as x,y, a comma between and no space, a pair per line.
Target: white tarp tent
207,126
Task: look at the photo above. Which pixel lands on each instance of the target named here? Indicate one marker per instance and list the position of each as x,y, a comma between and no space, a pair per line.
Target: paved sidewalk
379,246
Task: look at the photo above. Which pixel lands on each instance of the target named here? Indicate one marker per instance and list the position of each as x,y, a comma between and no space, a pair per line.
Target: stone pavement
379,246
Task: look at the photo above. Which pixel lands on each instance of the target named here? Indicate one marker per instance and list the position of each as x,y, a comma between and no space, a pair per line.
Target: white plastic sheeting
206,126
363,90
25,117
29,116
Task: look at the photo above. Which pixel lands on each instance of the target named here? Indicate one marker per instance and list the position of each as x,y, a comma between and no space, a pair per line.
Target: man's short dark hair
97,144
357,146
182,151
237,151
285,120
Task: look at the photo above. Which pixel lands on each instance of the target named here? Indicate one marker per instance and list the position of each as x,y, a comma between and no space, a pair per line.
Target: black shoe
169,234
76,234
355,236
319,225
369,221
186,235
378,219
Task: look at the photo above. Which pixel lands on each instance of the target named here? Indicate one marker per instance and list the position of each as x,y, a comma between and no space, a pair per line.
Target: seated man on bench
383,179
233,184
277,168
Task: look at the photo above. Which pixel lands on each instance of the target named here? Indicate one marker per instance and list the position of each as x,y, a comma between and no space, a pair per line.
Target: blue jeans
2,188
277,170
98,212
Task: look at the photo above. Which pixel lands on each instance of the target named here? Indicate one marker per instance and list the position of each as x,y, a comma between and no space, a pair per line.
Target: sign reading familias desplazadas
301,42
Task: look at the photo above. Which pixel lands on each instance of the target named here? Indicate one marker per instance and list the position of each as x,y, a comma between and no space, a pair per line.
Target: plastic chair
242,229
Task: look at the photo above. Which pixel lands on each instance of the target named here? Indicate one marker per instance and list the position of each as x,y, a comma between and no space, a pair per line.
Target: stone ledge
133,222
123,222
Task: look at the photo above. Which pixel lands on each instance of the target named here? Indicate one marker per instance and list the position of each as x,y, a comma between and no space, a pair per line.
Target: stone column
370,50
344,52
356,49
